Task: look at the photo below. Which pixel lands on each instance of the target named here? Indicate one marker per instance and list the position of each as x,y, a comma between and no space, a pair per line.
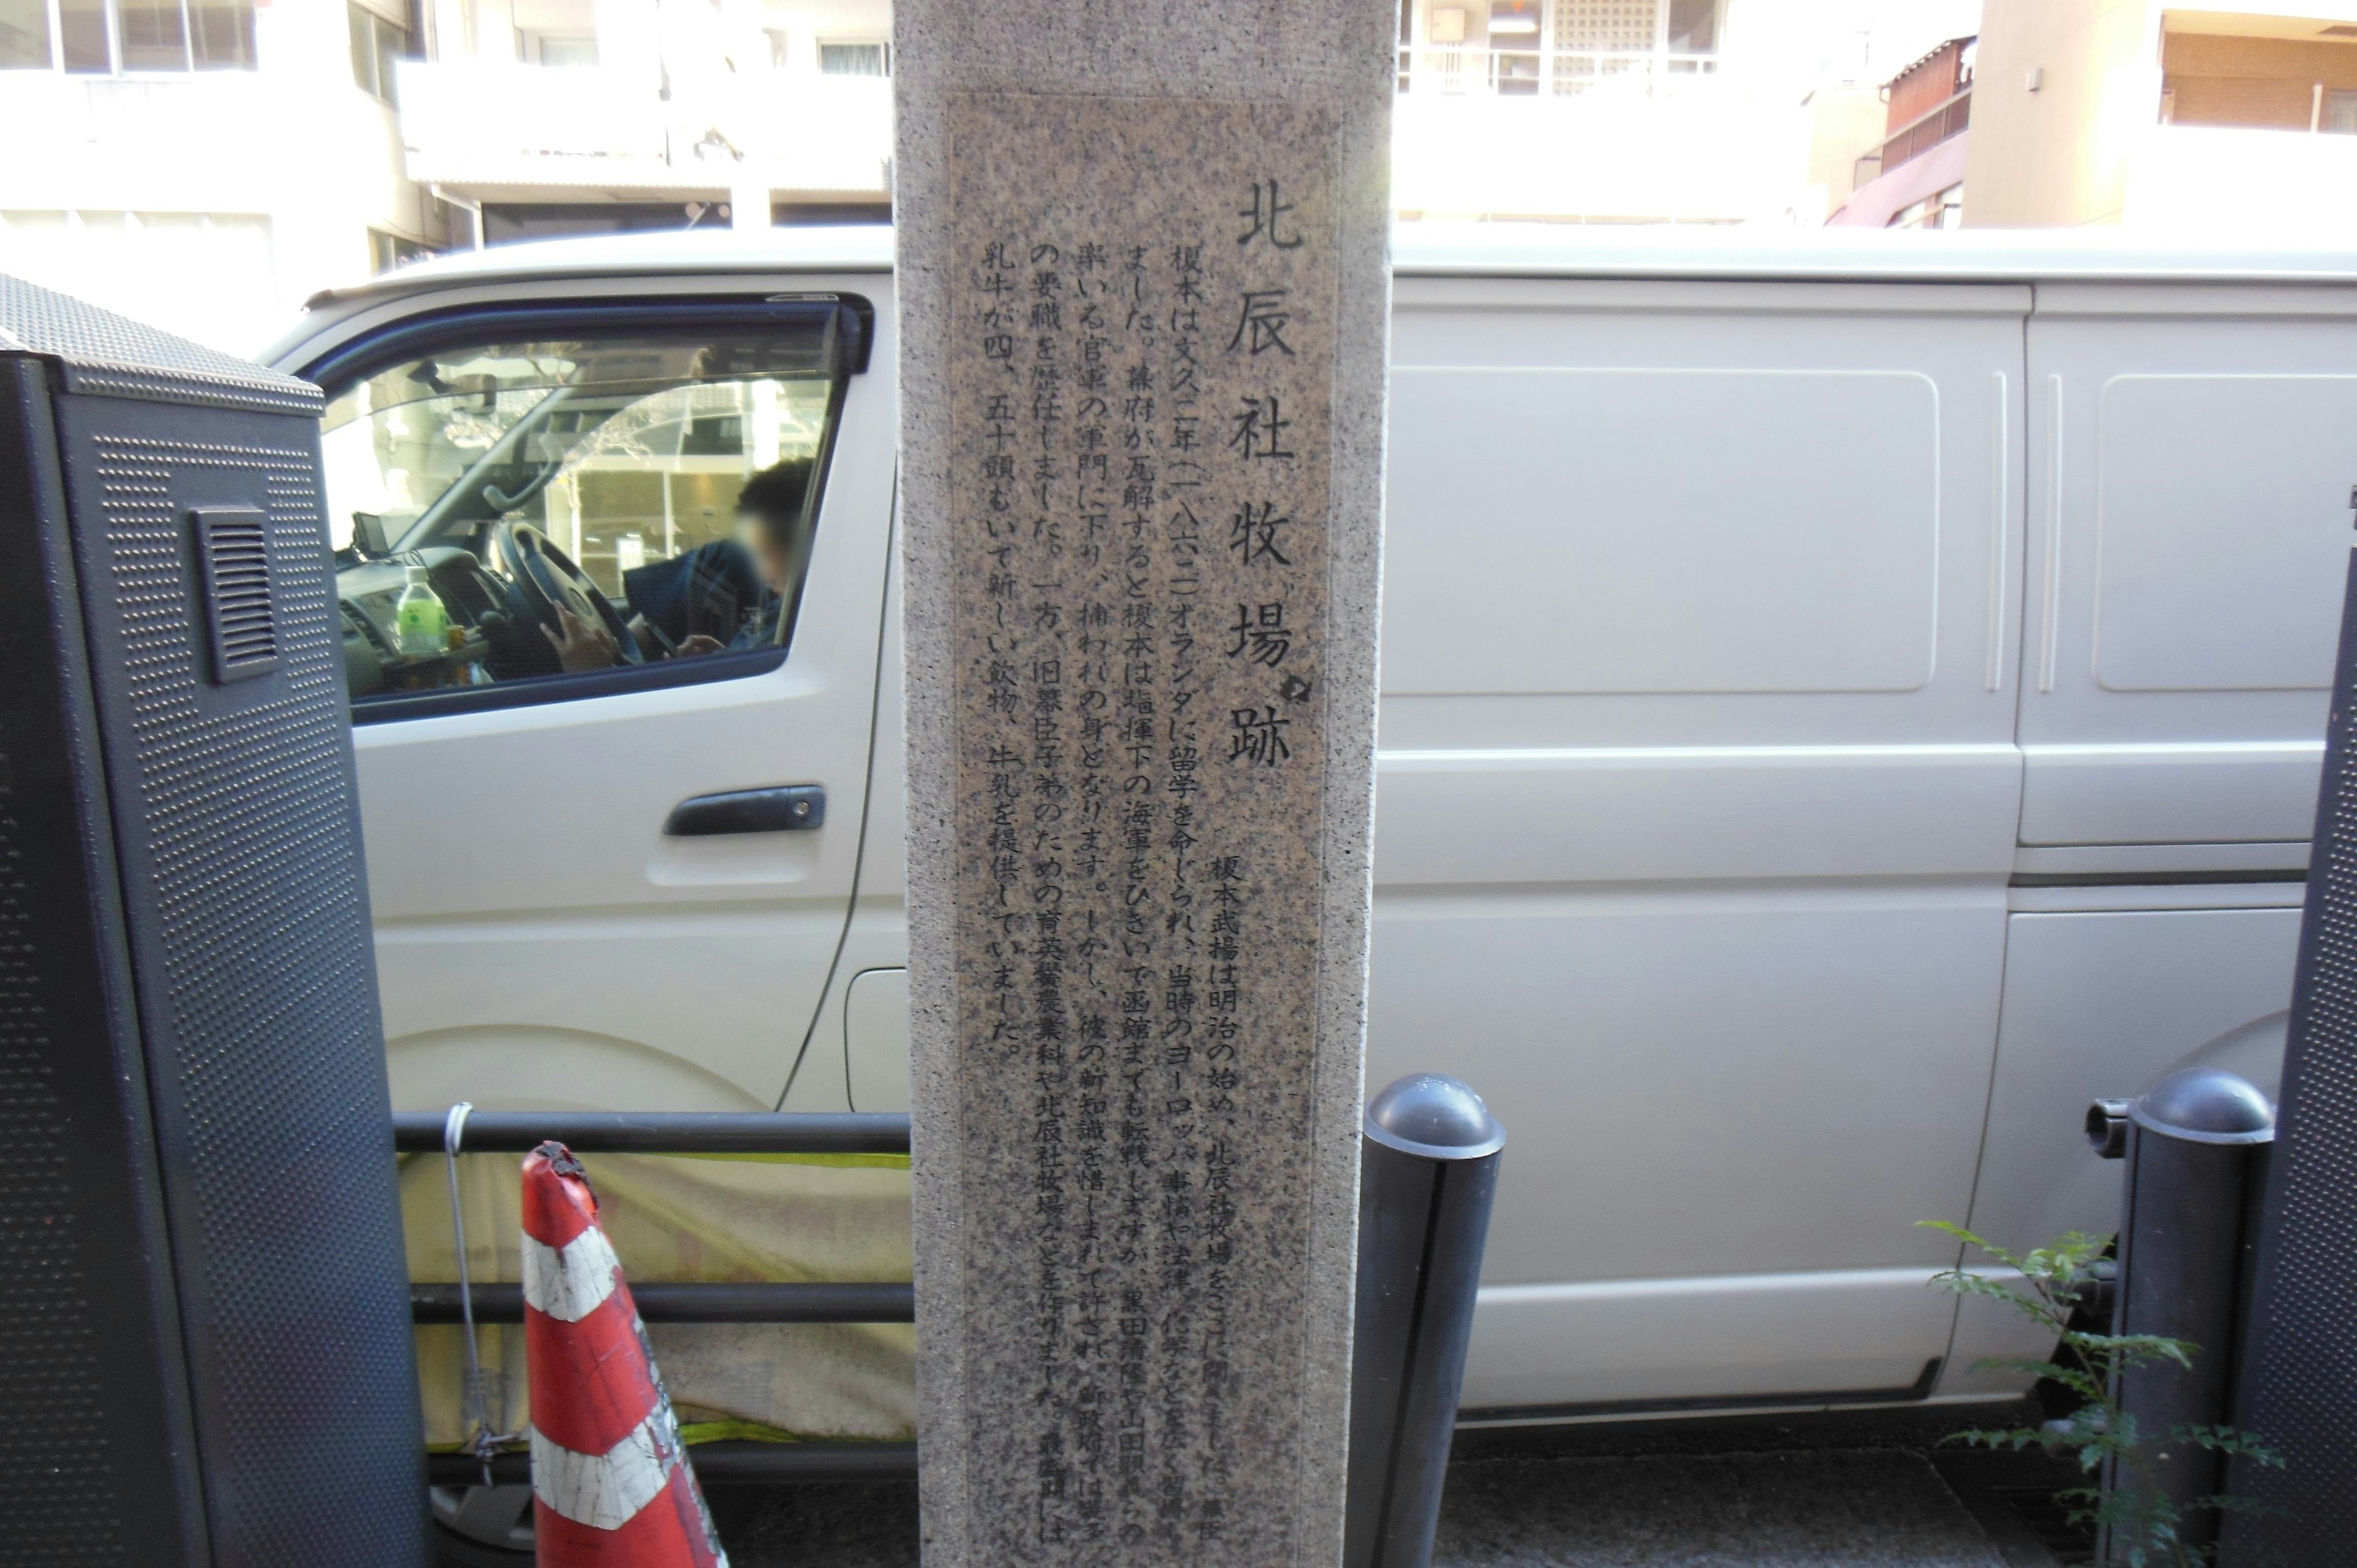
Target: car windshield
597,480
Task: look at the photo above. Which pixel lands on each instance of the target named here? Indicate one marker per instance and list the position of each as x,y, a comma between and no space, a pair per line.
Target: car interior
595,479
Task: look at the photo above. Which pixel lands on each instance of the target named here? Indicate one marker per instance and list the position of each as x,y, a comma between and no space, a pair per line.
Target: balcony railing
2280,186
1542,71
471,124
1924,132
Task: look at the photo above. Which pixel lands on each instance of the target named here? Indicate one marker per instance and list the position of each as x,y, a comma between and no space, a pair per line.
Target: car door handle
779,809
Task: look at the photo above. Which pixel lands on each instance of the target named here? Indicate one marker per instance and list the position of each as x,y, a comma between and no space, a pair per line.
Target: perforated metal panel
94,1439
98,351
2298,1374
196,1202
236,810
62,1498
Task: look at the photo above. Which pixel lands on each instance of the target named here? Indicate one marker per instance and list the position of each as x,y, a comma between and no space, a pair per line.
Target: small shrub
2146,1526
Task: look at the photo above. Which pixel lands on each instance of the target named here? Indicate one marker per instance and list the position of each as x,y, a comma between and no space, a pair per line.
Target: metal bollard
1428,1171
2196,1148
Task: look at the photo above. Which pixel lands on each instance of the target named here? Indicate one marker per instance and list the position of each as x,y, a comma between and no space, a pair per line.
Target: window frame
383,87
539,320
532,49
884,56
388,250
112,11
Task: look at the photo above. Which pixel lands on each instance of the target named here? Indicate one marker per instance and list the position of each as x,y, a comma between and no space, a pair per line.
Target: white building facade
594,116
208,165
203,164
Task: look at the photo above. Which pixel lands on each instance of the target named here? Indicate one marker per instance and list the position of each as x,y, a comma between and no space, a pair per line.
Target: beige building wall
1845,125
2058,156
2209,79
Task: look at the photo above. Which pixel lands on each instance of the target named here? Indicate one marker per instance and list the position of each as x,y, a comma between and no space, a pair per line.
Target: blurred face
767,548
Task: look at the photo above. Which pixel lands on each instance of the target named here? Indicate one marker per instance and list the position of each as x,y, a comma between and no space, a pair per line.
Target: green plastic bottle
421,625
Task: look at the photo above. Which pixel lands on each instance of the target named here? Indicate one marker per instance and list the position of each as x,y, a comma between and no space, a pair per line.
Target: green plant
2148,1529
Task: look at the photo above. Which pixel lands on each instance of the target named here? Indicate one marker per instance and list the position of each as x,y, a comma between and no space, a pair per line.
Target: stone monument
1143,292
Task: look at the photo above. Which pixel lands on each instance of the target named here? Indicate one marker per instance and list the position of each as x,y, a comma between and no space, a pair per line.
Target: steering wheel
549,581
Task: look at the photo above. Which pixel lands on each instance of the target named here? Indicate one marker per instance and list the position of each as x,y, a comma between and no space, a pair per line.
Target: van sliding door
1697,805
2191,450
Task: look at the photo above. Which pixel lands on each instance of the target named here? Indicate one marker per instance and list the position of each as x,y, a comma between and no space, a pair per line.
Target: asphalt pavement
1829,1492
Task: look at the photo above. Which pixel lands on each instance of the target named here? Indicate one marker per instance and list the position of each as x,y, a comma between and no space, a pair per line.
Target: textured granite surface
1143,289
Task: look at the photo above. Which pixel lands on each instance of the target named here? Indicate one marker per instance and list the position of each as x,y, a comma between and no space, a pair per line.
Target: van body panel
2192,478
1750,623
1637,814
524,887
1854,1335
1729,1079
2169,792
1697,800
2098,1004
1567,538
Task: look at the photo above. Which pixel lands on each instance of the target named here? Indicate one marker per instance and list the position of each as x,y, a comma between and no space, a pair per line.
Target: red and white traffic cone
610,1486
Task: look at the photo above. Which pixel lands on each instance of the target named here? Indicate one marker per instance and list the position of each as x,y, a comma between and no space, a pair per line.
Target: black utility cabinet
205,1349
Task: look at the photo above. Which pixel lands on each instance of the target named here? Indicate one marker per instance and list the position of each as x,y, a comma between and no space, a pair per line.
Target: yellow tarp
783,1218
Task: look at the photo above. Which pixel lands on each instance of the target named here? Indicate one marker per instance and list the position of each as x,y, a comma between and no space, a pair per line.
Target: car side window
558,519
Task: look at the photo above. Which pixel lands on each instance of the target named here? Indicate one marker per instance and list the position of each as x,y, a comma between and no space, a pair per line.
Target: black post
1428,1171
2196,1153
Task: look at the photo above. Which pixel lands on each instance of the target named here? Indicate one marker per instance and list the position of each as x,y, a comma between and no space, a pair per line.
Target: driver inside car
768,524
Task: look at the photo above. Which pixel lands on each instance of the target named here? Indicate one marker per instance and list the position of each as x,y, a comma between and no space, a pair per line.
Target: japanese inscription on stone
1140,373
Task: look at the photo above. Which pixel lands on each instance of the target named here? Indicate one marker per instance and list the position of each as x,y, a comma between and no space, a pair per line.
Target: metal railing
1543,72
1926,131
683,1132
1430,1156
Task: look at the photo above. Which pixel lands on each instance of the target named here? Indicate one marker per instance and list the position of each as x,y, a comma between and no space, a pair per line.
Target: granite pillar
1142,287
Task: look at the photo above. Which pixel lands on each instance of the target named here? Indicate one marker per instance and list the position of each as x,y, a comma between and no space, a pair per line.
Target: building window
856,60
556,48
2338,113
25,34
109,37
1943,210
387,251
1558,46
1514,50
1692,27
376,45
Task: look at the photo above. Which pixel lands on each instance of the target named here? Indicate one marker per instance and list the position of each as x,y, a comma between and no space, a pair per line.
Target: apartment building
201,164
1913,175
535,118
2239,118
1688,112
208,165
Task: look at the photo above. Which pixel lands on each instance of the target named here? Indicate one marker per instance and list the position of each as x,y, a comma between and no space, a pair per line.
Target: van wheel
482,1526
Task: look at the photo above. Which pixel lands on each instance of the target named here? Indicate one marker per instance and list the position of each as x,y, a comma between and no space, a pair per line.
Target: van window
507,513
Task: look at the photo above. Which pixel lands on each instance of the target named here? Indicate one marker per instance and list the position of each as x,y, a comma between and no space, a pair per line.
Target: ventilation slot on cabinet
233,552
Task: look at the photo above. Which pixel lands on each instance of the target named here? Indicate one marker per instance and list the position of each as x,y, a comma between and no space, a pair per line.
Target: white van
1844,707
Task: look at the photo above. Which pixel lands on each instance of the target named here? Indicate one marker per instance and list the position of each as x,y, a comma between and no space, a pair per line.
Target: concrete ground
1762,1493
